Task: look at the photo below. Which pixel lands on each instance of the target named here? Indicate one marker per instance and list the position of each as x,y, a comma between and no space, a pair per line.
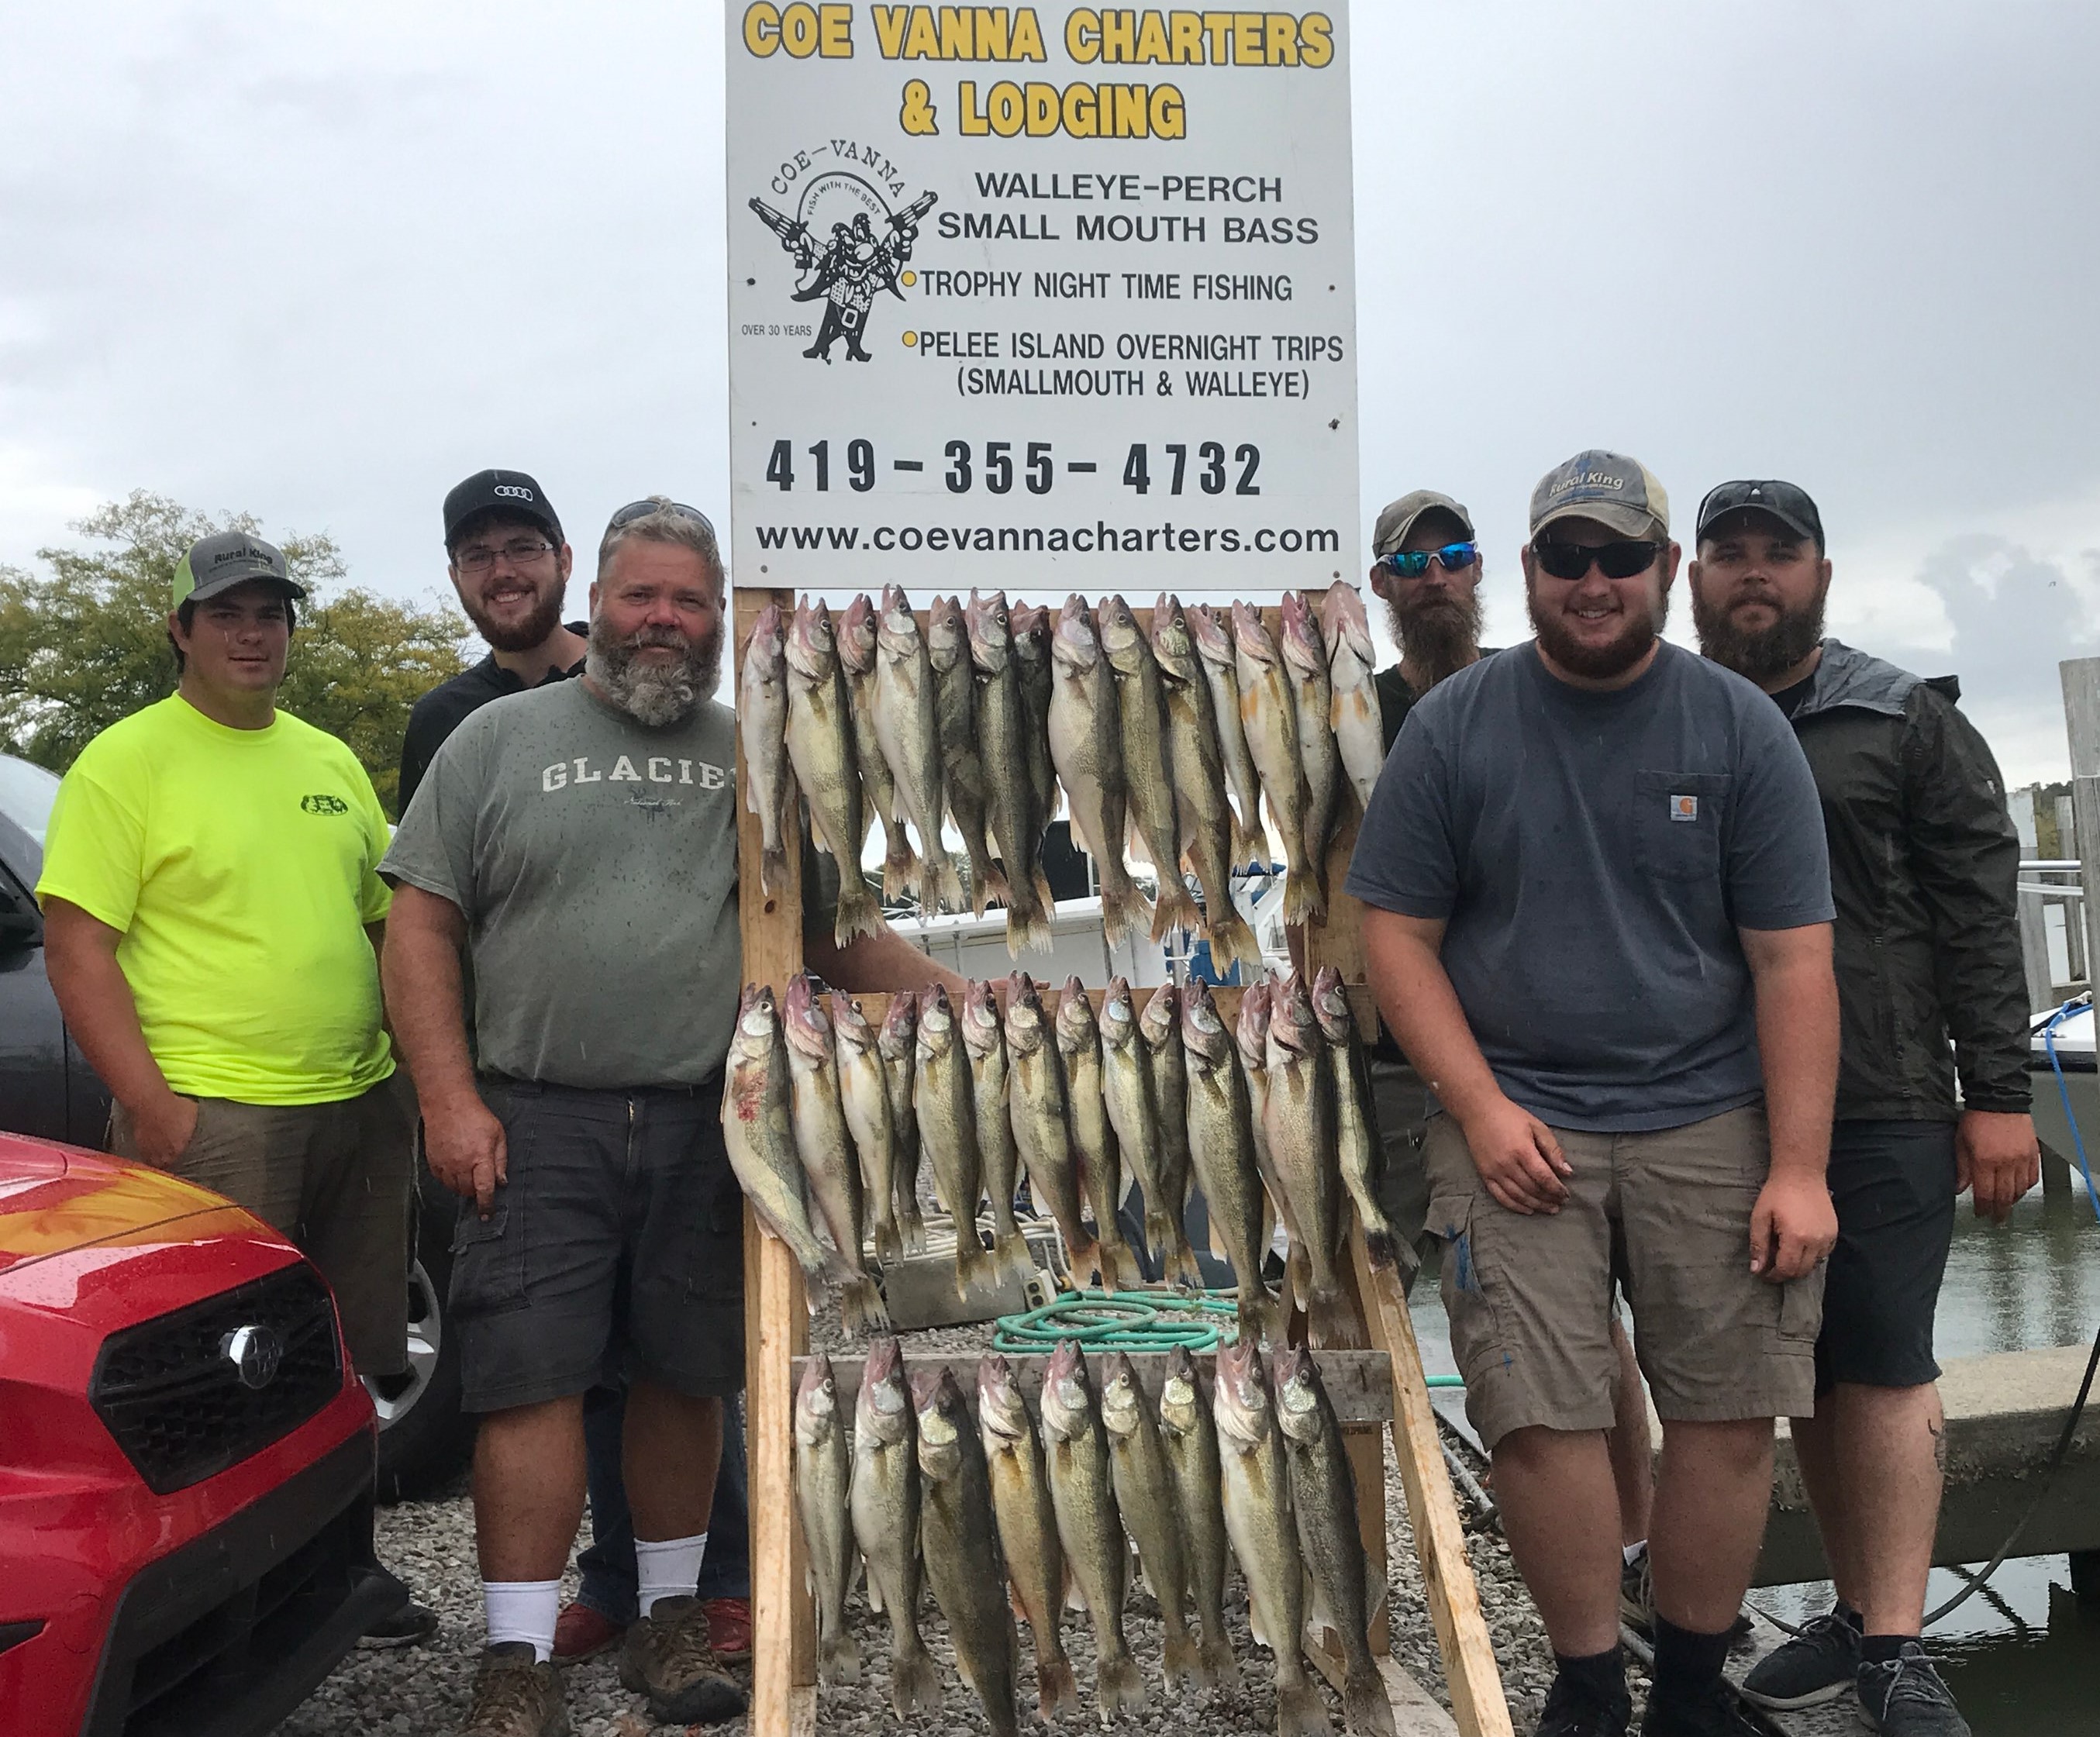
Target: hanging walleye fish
906,725
962,769
1016,815
1211,633
762,724
1359,732
1269,710
1141,717
820,748
856,639
1086,744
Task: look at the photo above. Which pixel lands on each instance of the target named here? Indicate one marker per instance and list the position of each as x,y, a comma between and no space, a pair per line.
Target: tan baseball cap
1401,516
1617,492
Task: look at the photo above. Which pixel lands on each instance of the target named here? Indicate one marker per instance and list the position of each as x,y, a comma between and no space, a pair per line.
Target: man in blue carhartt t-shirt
1600,929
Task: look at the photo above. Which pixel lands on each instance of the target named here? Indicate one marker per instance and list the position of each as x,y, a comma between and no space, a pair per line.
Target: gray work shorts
614,1250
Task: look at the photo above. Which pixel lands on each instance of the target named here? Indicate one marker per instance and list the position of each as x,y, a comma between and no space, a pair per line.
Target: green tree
85,643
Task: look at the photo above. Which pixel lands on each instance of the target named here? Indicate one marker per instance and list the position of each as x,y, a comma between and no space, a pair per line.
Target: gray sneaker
1637,1594
1818,1665
514,1696
667,1656
1905,1698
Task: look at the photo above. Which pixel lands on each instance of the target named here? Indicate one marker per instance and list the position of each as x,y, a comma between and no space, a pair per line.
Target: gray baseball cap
1619,493
1402,515
219,562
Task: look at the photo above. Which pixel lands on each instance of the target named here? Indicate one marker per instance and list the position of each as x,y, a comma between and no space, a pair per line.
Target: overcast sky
319,263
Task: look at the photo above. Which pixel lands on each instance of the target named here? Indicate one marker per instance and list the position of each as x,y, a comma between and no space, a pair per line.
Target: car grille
179,1406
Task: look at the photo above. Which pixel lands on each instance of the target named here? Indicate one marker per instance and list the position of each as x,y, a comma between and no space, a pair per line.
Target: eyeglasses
1454,558
521,553
635,509
1619,560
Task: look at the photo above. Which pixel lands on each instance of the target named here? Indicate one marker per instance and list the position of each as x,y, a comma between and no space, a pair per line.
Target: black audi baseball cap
1784,501
499,492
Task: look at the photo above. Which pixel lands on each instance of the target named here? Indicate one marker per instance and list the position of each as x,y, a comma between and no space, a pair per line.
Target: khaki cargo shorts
1665,1215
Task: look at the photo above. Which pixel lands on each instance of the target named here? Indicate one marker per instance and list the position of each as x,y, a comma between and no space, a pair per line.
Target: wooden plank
1358,1381
776,1317
1470,1672
1365,1444
1415,1712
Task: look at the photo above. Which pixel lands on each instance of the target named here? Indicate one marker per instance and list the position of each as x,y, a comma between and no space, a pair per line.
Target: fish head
812,652
991,638
1161,1017
1179,1394
1250,636
1251,1033
816,1400
1002,1413
1203,1032
1242,1405
757,1016
849,1025
809,1026
1330,1006
1305,653
1297,1393
937,1021
1068,1401
1122,643
940,1430
947,643
1075,648
1024,1014
1345,626
980,1017
1122,1397
1076,1030
897,629
855,634
1208,634
1029,624
765,652
900,1027
1171,645
1118,1021
884,1409
1292,1029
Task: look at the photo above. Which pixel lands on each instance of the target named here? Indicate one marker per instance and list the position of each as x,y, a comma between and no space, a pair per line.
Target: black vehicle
47,1090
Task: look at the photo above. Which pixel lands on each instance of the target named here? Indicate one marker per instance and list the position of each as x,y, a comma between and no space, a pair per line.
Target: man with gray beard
576,846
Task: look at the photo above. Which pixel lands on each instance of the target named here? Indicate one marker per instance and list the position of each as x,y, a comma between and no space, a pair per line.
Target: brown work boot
666,1656
514,1696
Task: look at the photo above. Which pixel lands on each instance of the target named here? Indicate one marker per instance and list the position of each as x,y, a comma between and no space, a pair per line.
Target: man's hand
465,1144
1793,1226
1997,1155
1518,1158
163,1130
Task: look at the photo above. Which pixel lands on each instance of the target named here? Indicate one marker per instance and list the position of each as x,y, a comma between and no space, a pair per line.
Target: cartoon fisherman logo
849,246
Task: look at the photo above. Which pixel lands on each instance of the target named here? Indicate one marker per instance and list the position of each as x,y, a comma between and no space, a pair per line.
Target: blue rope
2063,1091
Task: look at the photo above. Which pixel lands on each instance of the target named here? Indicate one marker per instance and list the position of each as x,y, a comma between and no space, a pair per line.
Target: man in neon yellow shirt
211,912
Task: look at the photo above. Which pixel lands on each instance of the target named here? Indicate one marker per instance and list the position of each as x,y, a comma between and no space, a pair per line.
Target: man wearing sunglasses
510,564
1924,859
1600,924
571,854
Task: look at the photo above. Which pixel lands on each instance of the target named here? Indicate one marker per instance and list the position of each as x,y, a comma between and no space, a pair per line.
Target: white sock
523,1611
1631,1552
670,1569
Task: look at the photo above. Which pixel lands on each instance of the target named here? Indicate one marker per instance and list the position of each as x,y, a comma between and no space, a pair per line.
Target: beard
651,695
1640,630
523,636
1441,632
1764,654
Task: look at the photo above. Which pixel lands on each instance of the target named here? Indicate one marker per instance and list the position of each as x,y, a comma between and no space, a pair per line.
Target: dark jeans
608,1565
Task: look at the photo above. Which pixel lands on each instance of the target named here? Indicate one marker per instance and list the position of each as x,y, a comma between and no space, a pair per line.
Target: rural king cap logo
324,804
1684,807
849,243
245,552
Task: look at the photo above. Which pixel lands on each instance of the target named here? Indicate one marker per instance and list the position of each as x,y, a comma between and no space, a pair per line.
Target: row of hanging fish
1167,741
1273,1117
1050,1503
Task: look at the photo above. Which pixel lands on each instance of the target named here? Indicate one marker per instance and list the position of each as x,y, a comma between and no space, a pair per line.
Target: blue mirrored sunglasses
1453,558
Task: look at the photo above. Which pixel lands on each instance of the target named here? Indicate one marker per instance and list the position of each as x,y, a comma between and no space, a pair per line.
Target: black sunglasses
1619,560
635,509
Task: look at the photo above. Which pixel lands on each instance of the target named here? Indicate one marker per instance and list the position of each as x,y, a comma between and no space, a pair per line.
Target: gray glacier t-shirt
1591,856
595,861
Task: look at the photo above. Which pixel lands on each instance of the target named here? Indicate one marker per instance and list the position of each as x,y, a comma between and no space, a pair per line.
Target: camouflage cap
1619,493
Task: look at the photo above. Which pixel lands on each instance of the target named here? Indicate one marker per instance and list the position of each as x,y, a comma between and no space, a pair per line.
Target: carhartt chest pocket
1678,818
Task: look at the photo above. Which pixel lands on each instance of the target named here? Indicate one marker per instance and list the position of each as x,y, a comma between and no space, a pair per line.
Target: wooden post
2034,951
784,1663
2081,718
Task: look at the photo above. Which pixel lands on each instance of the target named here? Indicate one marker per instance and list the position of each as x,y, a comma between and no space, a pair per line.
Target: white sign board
1045,297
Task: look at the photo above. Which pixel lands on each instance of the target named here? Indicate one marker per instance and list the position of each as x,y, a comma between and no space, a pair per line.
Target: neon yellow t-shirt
240,865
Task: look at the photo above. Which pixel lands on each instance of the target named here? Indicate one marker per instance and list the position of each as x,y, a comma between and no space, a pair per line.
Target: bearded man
575,845
1599,926
1923,858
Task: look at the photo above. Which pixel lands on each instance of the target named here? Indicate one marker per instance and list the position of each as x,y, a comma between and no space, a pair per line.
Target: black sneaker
1637,1594
1571,1711
1819,1665
1905,1698
1714,1713
411,1625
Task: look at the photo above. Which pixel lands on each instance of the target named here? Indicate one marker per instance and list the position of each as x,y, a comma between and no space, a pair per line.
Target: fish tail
947,884
1043,896
838,1658
1184,1661
1028,931
772,868
1057,1690
1366,1709
1331,1323
975,1267
1176,910
1118,1687
888,1245
1299,1712
1182,1263
1231,937
987,883
1381,1247
860,912
1122,1270
1304,898
1163,1235
1221,1670
861,1307
900,864
915,1687
1260,1314
1011,1257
